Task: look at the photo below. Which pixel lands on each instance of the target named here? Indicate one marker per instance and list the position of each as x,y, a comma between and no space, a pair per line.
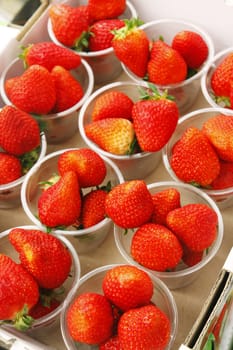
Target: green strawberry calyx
23,320
29,159
23,54
82,43
152,93
130,25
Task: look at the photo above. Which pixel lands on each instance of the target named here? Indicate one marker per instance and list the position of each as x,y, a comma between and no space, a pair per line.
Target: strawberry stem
22,320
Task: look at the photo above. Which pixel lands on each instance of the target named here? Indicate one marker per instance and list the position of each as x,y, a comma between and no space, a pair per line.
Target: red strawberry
33,91
194,159
164,201
166,66
114,135
219,130
129,204
60,204
101,33
49,55
190,257
154,120
69,90
40,310
222,75
127,287
93,208
90,318
146,327
225,176
131,46
192,47
10,168
156,247
87,164
111,344
194,224
112,104
20,132
18,293
43,255
70,24
99,9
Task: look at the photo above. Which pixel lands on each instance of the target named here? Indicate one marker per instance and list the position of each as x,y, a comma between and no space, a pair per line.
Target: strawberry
19,292
69,90
191,46
166,65
60,204
107,9
10,168
49,55
225,176
93,208
219,130
112,343
87,164
146,327
20,132
156,247
70,24
101,33
129,204
194,224
39,310
131,47
114,135
112,104
154,119
43,255
90,319
33,91
190,257
222,75
194,159
127,287
164,201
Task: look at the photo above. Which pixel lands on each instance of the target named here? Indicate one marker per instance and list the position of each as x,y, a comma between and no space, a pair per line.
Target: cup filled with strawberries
38,272
170,229
129,124
66,194
200,152
51,83
22,145
120,306
170,53
87,27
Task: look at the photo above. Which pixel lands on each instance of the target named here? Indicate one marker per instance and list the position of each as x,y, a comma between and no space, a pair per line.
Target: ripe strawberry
90,318
192,47
70,24
10,168
164,201
114,135
33,91
194,224
60,204
18,293
69,90
194,159
156,247
191,258
87,164
101,33
20,132
129,204
112,343
43,255
146,327
221,77
49,55
40,310
93,208
219,130
127,287
112,104
99,9
131,46
154,120
165,66
225,176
